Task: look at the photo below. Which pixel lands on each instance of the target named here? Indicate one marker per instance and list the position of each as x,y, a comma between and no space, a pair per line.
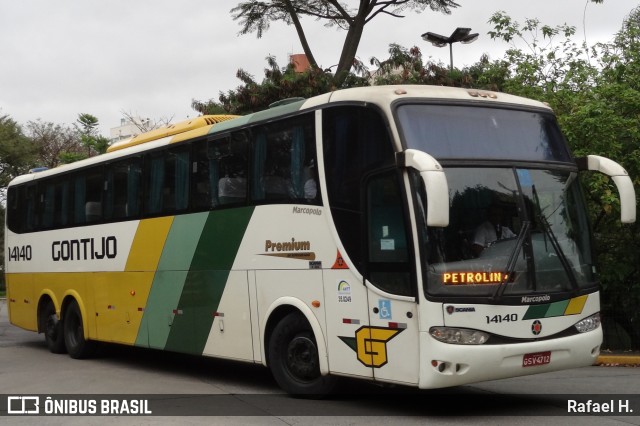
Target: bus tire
53,332
293,358
77,346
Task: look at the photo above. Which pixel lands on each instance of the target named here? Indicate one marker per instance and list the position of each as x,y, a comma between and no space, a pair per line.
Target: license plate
538,358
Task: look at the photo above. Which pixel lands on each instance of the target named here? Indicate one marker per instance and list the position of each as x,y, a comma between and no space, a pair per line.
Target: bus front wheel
293,358
77,346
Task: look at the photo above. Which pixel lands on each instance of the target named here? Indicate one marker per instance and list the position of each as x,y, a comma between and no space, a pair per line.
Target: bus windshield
513,230
491,210
473,132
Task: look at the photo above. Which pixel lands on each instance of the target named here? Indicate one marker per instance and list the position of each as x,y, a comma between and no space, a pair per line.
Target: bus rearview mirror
435,183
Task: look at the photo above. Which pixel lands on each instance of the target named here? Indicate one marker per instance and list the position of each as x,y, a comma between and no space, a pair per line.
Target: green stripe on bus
556,309
205,283
536,311
169,279
264,115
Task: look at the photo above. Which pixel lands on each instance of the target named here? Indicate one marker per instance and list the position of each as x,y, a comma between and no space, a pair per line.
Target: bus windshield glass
471,132
513,230
524,230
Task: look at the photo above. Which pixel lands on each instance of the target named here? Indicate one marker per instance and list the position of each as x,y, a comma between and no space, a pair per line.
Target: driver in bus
490,231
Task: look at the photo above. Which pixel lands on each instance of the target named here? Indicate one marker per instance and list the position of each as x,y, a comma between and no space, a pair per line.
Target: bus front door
391,340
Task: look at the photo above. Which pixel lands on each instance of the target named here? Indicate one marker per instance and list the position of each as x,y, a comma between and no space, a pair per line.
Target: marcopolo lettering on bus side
85,249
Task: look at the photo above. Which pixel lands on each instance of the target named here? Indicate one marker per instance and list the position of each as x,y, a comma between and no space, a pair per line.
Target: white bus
343,235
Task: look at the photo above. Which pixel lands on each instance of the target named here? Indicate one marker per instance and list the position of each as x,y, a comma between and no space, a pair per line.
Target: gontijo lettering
84,249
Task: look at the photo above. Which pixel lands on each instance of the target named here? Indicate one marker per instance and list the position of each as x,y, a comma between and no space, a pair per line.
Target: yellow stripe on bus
576,305
148,244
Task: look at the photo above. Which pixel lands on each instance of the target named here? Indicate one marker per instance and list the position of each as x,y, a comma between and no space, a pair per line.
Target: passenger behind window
310,182
232,188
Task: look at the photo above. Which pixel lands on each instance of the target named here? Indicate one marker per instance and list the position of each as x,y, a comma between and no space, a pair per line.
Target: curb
618,359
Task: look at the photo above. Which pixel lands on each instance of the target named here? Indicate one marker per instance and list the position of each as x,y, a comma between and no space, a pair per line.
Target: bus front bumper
443,365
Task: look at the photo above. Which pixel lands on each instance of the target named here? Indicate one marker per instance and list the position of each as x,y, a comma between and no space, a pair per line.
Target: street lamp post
459,35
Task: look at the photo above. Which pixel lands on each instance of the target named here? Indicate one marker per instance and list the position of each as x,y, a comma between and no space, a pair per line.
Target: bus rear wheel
77,346
293,358
53,333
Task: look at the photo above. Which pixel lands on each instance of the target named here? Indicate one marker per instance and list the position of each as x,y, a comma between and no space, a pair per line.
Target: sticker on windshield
525,178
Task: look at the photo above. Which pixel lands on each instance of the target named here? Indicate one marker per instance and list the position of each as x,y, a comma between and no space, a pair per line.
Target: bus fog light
589,323
459,336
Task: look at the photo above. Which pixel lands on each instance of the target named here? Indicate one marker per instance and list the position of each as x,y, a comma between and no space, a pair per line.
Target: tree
17,152
278,83
406,66
609,124
256,16
55,143
597,107
87,126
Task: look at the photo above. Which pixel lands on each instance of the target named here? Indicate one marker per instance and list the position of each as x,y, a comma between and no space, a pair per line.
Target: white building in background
128,128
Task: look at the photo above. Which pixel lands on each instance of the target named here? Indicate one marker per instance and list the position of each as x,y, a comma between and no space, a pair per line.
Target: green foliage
278,83
406,66
54,142
596,96
17,152
87,126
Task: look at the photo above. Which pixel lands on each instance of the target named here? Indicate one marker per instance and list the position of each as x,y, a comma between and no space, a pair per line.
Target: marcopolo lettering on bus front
85,249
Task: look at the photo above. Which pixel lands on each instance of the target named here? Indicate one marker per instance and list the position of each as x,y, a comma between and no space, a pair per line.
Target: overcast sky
60,58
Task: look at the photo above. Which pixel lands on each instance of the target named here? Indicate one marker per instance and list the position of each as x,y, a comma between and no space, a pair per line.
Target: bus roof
382,96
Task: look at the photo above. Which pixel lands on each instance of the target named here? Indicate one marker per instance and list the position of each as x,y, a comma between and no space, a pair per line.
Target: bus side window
177,182
219,169
21,208
204,194
231,162
95,189
284,158
154,183
122,199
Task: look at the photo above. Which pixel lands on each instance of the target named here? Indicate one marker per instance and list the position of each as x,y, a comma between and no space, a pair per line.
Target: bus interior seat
93,211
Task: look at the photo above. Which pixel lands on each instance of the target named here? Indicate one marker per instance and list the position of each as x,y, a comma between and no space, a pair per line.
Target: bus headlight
589,323
459,336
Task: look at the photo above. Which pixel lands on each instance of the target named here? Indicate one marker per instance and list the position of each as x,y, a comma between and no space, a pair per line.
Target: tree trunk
301,35
350,48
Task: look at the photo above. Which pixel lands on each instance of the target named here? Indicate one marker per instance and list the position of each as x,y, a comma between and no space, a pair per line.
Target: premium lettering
292,245
84,249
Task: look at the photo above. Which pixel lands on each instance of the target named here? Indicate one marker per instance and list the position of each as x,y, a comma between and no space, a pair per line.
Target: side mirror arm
620,177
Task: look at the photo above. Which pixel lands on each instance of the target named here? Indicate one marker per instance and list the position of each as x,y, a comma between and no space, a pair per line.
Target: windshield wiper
546,228
513,259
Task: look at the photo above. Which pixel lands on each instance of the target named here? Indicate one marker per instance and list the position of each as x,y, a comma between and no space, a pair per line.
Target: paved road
246,394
